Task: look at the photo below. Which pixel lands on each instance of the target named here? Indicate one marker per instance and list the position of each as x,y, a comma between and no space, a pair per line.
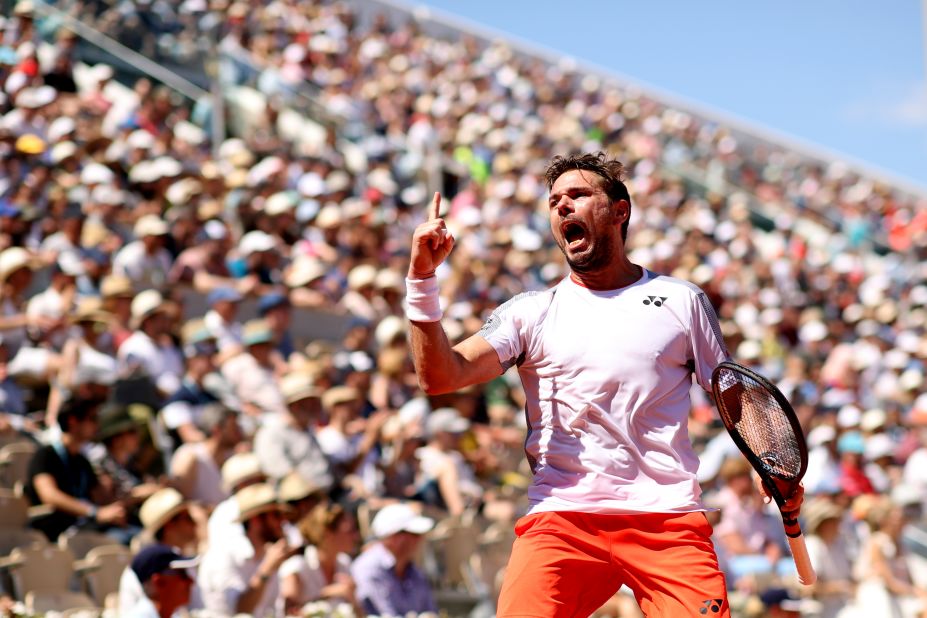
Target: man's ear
622,210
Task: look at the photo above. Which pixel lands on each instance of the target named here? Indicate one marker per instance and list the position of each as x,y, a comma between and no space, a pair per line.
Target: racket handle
806,574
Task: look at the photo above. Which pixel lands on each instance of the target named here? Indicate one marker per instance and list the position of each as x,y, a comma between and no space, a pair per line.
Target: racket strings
764,426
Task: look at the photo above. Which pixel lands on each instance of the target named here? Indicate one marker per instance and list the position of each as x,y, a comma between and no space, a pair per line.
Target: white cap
447,420
849,416
400,517
95,174
150,225
878,446
303,270
821,435
279,203
873,419
256,241
362,276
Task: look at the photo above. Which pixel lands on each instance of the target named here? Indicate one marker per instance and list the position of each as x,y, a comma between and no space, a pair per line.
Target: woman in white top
885,586
830,556
323,571
87,352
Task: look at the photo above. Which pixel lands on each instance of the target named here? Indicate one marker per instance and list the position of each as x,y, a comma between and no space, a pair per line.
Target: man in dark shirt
60,477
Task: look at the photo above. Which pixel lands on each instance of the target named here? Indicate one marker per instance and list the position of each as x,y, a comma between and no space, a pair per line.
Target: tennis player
606,358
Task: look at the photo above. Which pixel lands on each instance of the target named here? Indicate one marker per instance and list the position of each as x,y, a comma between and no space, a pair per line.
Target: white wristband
422,301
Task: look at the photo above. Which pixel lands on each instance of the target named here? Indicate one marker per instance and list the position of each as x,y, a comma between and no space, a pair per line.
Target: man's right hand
431,243
276,555
114,513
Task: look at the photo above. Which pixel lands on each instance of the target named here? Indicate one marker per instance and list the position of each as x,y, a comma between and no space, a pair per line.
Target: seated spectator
146,352
115,463
388,582
323,571
89,347
830,556
442,465
146,261
167,521
195,467
300,497
60,477
347,440
166,581
745,535
853,479
239,471
252,372
241,578
222,319
886,587
184,405
275,308
286,442
203,264
18,327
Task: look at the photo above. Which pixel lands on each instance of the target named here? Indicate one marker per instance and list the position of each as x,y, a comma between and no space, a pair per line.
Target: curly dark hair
611,172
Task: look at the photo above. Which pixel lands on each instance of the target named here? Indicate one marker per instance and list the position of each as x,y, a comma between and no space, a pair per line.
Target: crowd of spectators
150,288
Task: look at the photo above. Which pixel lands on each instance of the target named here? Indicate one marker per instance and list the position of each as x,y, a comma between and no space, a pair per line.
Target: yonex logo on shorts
656,301
711,604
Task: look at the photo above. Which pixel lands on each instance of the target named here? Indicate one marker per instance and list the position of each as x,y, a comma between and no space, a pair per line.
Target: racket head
763,425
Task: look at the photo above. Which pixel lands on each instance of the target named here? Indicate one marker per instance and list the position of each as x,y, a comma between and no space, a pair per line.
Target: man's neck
613,278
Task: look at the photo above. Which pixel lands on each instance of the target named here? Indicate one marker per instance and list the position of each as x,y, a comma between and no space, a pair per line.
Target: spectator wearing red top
853,479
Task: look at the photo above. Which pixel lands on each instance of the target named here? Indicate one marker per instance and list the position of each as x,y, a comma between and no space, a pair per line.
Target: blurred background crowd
202,344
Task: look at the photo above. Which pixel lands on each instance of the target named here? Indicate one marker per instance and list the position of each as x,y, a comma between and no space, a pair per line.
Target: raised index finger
433,212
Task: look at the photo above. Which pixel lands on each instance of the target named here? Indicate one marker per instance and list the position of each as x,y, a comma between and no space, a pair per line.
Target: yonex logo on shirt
711,604
656,301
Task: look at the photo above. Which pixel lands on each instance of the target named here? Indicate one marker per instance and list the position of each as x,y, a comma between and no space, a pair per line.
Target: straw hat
256,499
145,305
298,386
294,487
303,271
160,508
90,310
116,286
339,394
816,512
150,225
13,259
239,468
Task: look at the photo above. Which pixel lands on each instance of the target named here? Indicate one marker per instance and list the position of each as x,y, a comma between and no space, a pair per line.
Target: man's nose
564,206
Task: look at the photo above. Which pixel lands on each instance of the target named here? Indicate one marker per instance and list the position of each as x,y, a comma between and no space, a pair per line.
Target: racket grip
806,574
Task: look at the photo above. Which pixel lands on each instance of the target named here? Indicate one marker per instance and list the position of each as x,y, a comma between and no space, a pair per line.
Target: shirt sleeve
707,344
506,329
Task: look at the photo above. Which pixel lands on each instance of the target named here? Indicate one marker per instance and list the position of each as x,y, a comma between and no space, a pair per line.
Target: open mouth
573,233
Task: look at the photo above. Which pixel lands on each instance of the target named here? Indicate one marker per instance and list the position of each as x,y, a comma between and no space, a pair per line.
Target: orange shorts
569,564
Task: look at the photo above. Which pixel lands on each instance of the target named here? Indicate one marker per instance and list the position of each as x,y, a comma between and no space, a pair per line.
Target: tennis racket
765,428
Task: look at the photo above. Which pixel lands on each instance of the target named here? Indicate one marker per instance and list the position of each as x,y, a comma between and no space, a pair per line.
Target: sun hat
146,304
295,487
256,499
13,259
256,241
339,394
817,511
114,419
116,286
446,420
297,386
304,270
160,508
255,332
399,517
150,225
239,468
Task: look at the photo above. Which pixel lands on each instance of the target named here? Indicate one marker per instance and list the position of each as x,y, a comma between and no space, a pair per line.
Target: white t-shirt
311,578
607,377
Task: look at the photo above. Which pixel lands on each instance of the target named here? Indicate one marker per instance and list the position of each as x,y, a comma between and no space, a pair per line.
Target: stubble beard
596,257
